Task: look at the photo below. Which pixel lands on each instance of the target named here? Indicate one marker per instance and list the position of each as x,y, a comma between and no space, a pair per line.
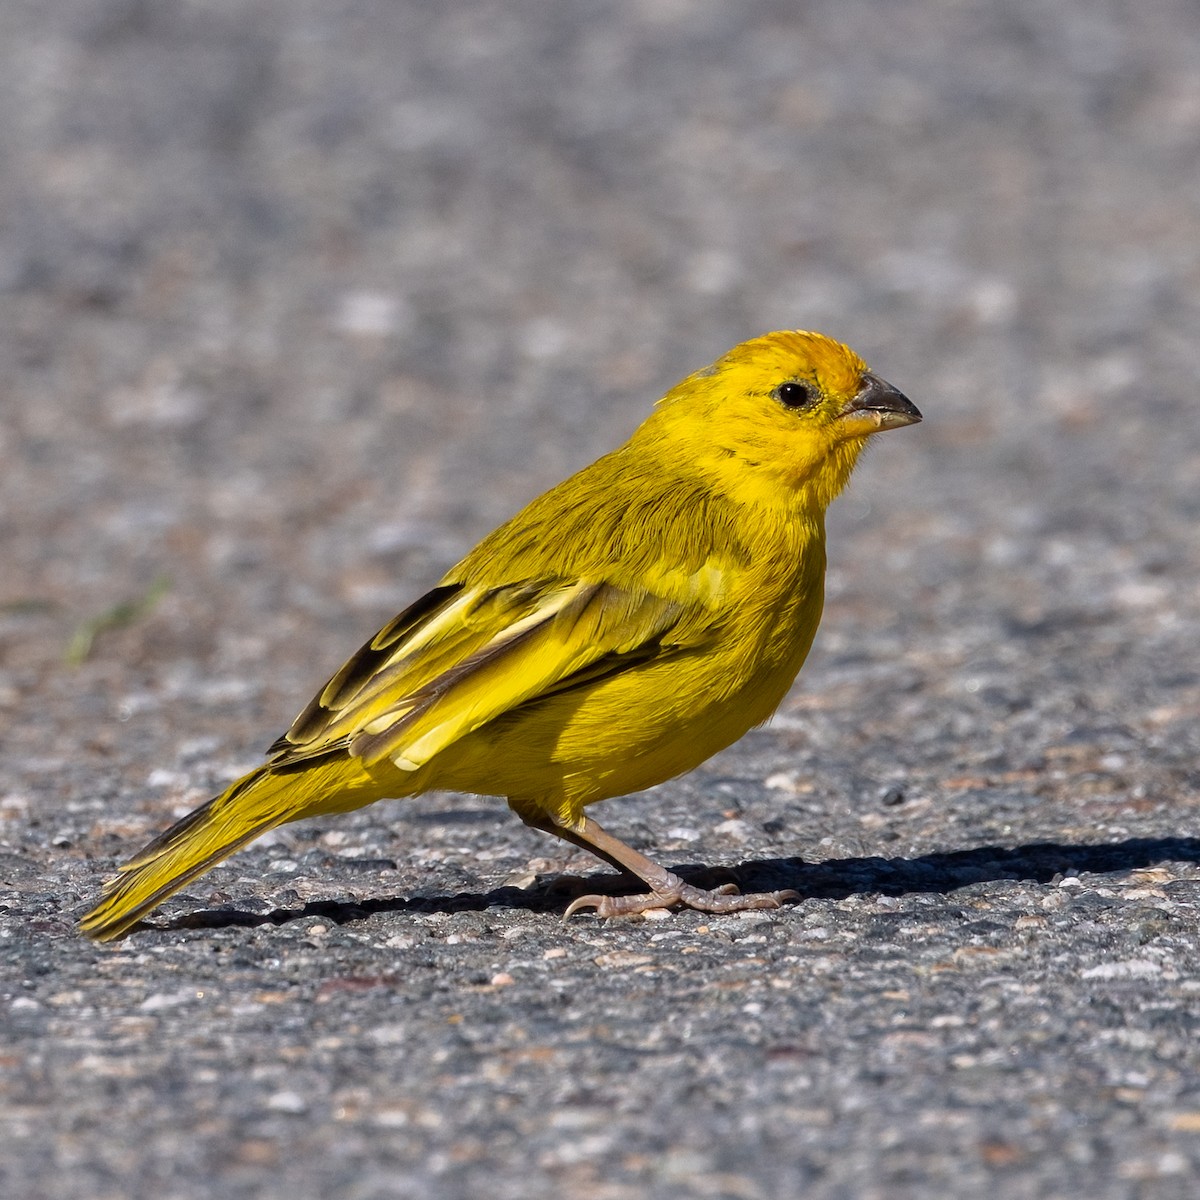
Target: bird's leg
543,824
666,888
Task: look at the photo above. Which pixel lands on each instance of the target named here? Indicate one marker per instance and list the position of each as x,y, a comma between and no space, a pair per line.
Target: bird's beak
877,406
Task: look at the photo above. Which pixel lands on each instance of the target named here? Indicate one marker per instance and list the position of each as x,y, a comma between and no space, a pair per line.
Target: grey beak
890,407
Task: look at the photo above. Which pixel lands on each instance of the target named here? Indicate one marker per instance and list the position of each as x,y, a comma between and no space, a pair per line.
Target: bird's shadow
941,873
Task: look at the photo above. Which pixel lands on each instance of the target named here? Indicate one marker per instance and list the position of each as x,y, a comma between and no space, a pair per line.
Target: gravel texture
300,297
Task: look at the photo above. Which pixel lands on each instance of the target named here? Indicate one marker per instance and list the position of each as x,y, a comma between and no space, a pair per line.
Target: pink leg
666,888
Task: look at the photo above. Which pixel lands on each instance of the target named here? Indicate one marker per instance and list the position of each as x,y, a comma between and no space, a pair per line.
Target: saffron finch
615,633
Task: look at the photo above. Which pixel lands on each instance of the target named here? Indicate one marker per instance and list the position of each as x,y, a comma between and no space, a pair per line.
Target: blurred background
298,299
326,290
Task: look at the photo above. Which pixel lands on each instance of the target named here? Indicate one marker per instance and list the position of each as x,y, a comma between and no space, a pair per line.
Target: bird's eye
795,395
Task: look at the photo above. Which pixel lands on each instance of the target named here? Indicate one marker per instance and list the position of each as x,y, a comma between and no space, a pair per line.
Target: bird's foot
568,887
725,899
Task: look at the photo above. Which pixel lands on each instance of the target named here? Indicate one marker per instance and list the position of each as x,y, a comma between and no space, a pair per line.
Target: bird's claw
724,899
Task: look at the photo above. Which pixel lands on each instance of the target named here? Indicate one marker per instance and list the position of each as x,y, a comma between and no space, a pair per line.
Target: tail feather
190,847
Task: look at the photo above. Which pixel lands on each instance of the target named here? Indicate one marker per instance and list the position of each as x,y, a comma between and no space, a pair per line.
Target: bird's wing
462,656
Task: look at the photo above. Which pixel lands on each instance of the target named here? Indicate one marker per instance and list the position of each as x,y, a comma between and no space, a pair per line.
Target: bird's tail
255,803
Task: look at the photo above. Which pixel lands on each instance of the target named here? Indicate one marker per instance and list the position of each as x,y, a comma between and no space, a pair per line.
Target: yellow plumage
618,631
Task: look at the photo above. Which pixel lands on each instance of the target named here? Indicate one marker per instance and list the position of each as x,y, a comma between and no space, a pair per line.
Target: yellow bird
616,632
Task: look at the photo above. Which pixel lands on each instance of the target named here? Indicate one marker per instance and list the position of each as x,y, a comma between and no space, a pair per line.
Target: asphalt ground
299,299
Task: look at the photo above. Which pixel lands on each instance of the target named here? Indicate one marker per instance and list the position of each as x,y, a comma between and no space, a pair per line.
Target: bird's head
782,413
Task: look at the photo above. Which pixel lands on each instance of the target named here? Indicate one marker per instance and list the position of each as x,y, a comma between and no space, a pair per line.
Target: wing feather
363,671
462,657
